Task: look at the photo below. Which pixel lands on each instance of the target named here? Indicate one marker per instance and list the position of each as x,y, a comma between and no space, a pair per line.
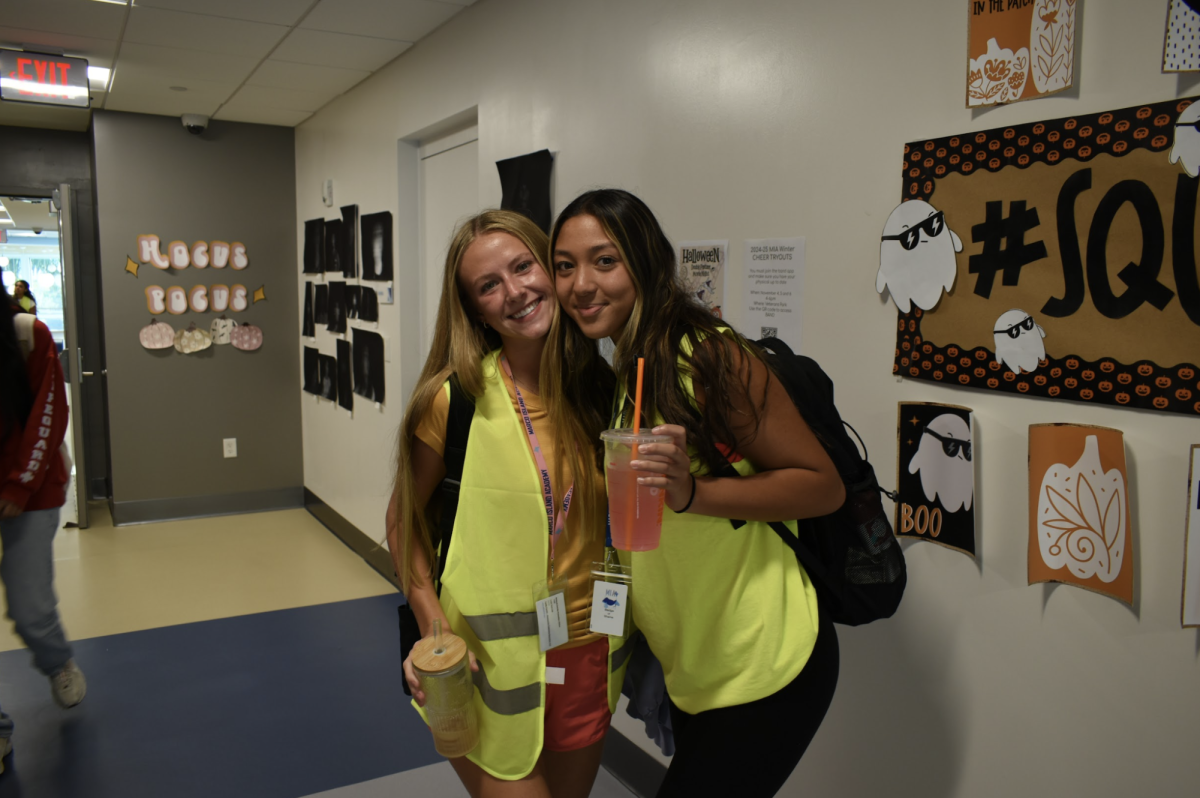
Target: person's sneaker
5,750
68,685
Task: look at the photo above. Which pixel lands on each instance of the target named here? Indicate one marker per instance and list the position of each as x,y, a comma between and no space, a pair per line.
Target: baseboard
375,555
149,511
641,773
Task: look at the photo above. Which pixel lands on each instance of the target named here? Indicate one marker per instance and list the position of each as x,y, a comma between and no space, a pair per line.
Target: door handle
79,359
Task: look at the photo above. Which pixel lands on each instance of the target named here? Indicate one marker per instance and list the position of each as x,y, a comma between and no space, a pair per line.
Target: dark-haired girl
750,661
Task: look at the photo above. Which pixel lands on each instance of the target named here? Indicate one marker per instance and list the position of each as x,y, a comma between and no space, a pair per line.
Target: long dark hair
28,293
16,398
658,335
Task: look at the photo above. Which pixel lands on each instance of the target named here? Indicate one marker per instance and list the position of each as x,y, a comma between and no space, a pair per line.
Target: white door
449,179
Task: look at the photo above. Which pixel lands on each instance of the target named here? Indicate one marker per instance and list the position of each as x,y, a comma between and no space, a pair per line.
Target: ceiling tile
97,51
177,66
70,17
149,98
305,77
325,48
201,32
278,12
406,20
249,112
283,99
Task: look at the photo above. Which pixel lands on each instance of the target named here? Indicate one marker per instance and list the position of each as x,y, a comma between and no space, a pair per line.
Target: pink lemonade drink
635,511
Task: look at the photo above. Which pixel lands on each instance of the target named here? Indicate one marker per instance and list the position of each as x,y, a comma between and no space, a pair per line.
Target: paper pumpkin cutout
157,335
220,330
936,475
246,337
1018,340
1079,522
192,340
997,76
916,256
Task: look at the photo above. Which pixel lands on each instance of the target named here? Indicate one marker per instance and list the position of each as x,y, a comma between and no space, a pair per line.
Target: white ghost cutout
1186,149
1018,346
946,476
916,256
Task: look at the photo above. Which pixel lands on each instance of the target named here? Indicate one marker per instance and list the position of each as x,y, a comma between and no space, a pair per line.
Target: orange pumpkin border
1142,384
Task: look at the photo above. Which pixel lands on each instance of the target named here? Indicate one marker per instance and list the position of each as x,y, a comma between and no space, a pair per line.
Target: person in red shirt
33,485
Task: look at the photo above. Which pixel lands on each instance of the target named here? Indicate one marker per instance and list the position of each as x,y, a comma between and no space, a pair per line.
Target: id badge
611,582
550,604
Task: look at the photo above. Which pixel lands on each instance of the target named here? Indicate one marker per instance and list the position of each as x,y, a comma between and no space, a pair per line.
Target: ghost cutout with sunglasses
916,256
1019,341
1187,140
945,462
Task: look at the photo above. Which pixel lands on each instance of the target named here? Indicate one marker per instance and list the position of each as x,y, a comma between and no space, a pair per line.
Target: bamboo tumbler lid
439,652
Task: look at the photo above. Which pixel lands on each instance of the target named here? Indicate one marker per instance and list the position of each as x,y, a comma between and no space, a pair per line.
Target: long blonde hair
460,342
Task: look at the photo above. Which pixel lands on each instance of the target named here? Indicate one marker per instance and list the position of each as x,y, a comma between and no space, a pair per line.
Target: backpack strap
23,324
458,430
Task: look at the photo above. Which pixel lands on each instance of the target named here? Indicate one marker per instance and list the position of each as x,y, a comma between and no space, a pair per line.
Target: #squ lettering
1085,264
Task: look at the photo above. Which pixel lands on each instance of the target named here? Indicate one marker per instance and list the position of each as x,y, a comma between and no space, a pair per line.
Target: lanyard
555,525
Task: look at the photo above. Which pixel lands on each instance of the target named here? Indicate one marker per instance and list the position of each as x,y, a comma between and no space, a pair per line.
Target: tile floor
249,656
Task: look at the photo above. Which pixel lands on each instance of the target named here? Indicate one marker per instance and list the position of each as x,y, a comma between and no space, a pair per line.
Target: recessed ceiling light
115,2
98,76
178,88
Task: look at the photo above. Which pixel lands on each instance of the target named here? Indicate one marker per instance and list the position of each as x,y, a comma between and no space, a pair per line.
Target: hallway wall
168,411
768,118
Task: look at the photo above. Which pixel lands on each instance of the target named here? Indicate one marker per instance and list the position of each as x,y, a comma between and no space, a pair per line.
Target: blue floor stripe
274,705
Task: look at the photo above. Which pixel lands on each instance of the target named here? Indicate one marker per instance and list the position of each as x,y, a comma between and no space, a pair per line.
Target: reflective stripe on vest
507,702
502,625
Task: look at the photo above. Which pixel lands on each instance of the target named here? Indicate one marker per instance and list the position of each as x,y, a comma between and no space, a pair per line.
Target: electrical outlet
230,447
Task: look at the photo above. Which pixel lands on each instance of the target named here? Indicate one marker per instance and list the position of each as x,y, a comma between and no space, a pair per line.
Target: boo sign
45,79
1077,275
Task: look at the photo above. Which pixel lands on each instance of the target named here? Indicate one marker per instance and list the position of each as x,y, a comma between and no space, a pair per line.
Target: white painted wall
767,118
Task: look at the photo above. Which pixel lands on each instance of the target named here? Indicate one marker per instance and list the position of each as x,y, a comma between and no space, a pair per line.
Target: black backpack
854,560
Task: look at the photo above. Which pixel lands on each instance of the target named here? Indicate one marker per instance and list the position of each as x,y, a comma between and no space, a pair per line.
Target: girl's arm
795,479
428,472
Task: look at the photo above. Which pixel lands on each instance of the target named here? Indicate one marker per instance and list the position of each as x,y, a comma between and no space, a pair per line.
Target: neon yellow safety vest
499,549
730,613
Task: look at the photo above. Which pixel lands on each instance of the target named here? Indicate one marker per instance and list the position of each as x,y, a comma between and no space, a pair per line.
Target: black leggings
749,750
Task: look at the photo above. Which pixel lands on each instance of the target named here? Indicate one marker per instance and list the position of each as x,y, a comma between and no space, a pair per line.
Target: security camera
195,123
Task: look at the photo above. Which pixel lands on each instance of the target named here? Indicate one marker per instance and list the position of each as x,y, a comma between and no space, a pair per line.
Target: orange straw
637,426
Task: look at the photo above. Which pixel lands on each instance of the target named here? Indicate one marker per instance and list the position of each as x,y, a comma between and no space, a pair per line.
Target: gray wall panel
169,411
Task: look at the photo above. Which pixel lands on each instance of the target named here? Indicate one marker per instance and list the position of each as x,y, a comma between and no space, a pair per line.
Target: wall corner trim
373,553
149,511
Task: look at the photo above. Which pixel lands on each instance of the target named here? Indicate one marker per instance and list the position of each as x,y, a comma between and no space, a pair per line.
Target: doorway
449,180
37,262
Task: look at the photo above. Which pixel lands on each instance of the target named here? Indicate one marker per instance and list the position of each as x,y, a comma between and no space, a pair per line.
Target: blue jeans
27,569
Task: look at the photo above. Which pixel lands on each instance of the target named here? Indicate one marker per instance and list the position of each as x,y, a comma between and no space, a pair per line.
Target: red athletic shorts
577,711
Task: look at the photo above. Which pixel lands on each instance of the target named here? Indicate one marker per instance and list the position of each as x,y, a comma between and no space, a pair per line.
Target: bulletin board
1079,232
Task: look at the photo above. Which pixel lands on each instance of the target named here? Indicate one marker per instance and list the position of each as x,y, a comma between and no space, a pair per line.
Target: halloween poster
1019,49
1191,554
1053,259
1181,48
936,475
1079,521
702,272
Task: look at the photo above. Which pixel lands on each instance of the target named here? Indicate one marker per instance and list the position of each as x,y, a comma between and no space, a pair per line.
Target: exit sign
46,79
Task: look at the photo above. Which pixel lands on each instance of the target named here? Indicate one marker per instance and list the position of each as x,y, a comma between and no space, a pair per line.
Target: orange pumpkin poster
1019,49
1079,523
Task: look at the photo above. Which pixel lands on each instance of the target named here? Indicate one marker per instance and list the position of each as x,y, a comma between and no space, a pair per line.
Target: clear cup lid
628,437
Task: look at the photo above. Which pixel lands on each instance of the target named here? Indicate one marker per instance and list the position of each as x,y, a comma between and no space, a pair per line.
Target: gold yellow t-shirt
582,540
